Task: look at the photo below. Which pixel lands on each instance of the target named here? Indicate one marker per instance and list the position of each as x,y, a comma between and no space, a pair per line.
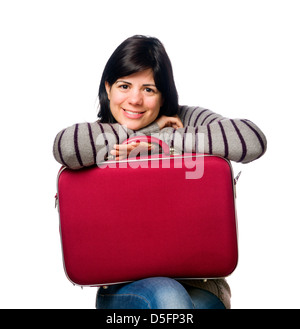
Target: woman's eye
149,90
124,87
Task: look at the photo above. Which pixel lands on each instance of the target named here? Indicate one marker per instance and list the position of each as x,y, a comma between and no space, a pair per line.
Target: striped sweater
239,140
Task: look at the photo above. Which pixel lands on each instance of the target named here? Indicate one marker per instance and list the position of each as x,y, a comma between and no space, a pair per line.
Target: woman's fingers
122,151
176,122
165,121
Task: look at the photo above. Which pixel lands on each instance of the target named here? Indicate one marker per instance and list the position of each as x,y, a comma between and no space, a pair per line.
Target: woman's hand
122,151
165,121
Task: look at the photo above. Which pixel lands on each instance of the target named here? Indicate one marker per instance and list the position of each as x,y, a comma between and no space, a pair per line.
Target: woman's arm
86,144
238,140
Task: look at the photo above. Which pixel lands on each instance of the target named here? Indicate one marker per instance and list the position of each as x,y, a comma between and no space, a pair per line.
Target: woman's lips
133,114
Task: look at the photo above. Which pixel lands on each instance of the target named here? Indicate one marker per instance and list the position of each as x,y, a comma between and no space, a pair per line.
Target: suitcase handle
149,139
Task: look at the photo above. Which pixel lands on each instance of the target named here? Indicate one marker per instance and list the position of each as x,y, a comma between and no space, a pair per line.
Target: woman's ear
107,88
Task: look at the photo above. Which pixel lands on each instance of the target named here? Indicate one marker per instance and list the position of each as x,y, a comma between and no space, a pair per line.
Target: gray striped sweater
240,140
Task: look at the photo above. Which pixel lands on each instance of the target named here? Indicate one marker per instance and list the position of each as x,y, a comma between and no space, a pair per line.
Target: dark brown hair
136,54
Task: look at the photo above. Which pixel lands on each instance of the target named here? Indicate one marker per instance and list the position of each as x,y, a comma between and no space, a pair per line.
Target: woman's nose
135,98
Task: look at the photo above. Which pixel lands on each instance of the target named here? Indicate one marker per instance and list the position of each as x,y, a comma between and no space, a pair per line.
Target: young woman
138,95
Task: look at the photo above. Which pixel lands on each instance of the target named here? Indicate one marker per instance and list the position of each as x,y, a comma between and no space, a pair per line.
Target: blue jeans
156,293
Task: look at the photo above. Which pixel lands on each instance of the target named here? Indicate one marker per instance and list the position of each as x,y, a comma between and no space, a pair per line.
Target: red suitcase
143,217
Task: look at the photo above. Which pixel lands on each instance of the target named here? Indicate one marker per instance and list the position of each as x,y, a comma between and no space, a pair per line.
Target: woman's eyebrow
149,84
123,81
129,83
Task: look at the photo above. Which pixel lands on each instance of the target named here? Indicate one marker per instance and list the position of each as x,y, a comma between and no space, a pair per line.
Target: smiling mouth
133,113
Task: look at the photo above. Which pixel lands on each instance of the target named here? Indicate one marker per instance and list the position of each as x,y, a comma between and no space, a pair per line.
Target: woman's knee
203,299
166,293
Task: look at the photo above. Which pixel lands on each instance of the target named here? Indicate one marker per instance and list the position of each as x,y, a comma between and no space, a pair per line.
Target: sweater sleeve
240,140
86,144
204,131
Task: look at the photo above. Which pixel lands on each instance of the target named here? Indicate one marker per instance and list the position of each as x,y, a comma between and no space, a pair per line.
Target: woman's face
134,100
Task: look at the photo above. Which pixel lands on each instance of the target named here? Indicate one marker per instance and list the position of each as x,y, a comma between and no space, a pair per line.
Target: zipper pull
235,182
56,200
237,177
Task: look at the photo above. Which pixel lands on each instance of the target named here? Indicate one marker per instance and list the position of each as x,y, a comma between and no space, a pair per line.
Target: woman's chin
133,125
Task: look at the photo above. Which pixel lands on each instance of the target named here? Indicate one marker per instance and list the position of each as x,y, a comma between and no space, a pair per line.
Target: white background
238,58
